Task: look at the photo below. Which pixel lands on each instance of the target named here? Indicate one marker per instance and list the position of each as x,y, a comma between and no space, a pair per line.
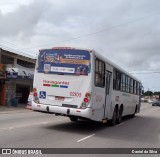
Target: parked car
150,101
144,100
156,103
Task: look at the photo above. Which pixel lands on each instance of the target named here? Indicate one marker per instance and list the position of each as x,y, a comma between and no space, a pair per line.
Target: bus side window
137,88
131,86
124,82
99,73
117,80
108,79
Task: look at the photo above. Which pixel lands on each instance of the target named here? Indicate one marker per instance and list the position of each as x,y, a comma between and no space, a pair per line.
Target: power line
86,35
101,31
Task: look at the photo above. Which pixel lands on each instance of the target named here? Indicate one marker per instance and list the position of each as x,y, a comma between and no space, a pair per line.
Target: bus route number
75,94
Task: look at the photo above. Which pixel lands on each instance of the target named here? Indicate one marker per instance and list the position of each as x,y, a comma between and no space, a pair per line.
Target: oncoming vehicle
156,103
80,83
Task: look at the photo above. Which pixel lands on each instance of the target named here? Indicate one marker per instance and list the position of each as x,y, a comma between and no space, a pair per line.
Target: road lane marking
85,138
22,126
119,124
27,125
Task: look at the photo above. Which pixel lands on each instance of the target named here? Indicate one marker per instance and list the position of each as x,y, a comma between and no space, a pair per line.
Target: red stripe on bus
47,85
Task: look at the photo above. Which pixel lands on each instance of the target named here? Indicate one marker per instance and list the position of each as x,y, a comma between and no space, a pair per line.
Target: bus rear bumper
64,111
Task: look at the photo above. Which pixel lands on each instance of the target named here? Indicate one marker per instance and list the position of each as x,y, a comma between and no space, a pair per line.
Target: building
16,76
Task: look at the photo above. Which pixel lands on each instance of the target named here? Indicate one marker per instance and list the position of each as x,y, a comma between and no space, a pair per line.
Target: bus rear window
70,62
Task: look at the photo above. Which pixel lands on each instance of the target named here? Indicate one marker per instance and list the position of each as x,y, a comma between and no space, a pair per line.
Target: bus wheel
119,119
133,115
114,117
73,118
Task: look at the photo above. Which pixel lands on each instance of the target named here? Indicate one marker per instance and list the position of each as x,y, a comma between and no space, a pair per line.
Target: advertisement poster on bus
71,62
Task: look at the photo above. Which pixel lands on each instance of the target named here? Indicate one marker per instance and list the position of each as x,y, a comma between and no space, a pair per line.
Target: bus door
107,105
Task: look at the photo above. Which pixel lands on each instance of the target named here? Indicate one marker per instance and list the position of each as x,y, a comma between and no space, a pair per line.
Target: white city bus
80,83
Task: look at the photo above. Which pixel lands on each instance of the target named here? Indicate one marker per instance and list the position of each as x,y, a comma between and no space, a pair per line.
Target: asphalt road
38,130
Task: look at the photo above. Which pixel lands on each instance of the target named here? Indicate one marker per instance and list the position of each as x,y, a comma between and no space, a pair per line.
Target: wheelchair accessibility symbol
42,94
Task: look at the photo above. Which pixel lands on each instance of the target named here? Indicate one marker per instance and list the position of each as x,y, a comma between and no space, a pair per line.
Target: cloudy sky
125,31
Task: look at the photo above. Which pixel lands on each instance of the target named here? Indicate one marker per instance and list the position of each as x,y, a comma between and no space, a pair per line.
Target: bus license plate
59,98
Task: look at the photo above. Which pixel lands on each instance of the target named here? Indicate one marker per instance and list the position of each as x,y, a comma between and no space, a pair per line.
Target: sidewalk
11,109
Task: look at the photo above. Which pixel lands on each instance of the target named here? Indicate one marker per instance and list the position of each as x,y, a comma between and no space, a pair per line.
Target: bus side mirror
142,92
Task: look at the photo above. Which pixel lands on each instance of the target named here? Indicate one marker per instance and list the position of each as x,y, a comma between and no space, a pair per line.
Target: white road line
27,125
120,124
22,126
85,138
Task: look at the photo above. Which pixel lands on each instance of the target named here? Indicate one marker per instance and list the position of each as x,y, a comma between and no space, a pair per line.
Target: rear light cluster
35,95
86,101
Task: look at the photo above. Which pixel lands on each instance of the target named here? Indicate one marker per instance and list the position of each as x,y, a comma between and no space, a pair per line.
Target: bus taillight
86,101
88,95
34,90
35,94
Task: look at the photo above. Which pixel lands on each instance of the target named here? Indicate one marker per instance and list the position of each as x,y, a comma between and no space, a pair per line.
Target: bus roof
68,48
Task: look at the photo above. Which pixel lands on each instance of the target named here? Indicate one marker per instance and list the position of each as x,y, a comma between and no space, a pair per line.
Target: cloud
22,22
127,32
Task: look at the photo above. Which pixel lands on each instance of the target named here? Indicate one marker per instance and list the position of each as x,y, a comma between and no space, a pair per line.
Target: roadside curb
15,110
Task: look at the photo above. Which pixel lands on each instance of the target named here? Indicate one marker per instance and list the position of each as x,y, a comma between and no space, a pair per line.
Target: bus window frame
100,80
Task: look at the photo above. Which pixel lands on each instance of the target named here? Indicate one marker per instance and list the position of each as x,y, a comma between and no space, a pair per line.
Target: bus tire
119,119
114,117
133,115
73,118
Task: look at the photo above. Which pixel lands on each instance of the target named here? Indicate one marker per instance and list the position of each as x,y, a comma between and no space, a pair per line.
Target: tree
148,93
156,93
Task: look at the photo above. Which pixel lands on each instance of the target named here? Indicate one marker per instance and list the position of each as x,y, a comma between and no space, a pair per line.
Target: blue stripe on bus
63,86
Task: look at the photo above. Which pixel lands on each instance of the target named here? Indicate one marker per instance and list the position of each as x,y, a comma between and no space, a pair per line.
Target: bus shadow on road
141,128
82,126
